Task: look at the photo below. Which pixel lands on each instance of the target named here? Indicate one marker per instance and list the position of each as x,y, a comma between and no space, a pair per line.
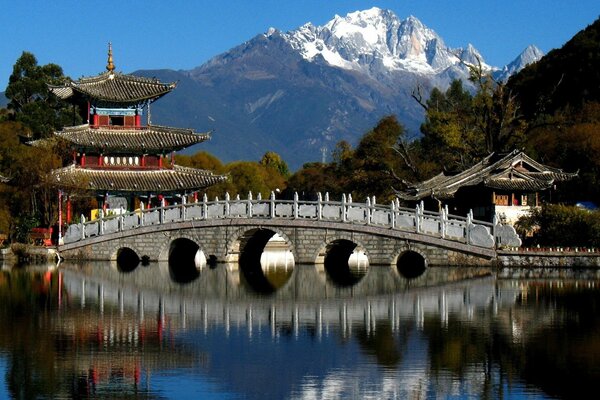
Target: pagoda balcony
119,127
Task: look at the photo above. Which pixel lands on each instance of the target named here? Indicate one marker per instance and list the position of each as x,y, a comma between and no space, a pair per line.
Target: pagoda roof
174,179
147,139
114,87
514,171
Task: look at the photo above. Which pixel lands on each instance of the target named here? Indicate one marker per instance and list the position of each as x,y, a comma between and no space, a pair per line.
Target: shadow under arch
346,263
127,259
185,260
411,264
265,279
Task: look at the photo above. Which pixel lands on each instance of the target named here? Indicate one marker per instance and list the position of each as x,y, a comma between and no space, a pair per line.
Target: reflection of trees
386,345
564,362
76,353
25,300
549,340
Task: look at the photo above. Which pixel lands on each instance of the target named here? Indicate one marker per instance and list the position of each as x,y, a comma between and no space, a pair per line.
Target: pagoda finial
110,67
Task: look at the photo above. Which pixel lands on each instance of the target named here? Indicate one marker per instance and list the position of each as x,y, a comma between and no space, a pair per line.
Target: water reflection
90,330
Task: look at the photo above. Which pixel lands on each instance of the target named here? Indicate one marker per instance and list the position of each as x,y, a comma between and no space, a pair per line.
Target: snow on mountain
375,41
530,55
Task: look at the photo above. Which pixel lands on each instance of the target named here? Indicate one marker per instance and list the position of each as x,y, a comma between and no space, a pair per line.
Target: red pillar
59,216
68,209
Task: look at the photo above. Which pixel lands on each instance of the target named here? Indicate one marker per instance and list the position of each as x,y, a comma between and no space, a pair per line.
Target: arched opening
346,264
266,260
127,259
411,264
185,260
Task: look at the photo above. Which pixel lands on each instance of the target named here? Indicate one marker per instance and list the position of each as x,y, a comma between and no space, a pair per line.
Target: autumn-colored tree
28,199
273,161
313,178
201,160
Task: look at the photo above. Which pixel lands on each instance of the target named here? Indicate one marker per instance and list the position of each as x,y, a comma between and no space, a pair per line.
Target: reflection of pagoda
113,153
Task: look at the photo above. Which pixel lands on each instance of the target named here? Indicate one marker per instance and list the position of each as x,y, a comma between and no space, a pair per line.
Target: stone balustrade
392,216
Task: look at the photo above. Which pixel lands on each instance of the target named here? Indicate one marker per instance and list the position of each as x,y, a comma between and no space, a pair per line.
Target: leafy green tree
313,178
561,225
249,176
461,128
374,160
273,160
31,101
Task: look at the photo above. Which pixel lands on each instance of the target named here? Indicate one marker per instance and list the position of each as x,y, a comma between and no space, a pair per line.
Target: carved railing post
183,207
326,196
162,211
393,214
369,210
249,205
204,206
418,218
344,207
469,226
319,206
227,198
141,213
295,205
82,224
121,224
443,220
272,203
494,230
100,222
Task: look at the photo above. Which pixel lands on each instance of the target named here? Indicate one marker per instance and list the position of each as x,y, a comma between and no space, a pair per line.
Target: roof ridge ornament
110,67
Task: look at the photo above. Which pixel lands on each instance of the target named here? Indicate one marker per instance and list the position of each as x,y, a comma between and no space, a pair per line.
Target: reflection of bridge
229,306
222,228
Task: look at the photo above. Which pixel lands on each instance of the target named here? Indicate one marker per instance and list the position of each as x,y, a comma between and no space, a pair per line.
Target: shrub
560,225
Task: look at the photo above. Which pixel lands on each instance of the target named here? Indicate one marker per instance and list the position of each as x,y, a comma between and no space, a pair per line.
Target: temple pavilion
502,186
118,159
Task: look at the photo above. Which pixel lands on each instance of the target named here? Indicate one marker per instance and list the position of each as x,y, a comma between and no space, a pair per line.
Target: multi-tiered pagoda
114,154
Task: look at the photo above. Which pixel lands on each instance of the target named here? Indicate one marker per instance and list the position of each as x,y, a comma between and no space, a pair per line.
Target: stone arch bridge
225,230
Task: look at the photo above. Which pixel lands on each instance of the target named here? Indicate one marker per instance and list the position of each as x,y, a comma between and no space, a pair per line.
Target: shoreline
514,258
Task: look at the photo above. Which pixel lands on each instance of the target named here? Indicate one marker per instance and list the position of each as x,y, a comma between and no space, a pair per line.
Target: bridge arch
344,259
410,262
126,258
183,256
247,246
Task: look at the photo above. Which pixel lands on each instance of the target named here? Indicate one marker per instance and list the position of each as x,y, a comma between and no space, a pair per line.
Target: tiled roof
148,139
175,179
515,171
114,88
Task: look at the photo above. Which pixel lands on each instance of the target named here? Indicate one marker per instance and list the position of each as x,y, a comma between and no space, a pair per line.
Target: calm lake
99,331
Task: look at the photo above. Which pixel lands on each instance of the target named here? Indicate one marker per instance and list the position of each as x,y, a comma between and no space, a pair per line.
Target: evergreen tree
31,101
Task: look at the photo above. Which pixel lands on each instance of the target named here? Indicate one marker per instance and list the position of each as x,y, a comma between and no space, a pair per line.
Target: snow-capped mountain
530,55
301,91
376,41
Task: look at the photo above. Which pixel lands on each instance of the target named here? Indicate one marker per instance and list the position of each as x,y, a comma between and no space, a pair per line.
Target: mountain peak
528,56
374,41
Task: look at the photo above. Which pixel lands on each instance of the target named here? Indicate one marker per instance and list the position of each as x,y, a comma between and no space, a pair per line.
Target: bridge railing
438,224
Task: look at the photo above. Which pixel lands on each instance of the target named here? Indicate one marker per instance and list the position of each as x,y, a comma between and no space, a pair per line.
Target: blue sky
177,34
